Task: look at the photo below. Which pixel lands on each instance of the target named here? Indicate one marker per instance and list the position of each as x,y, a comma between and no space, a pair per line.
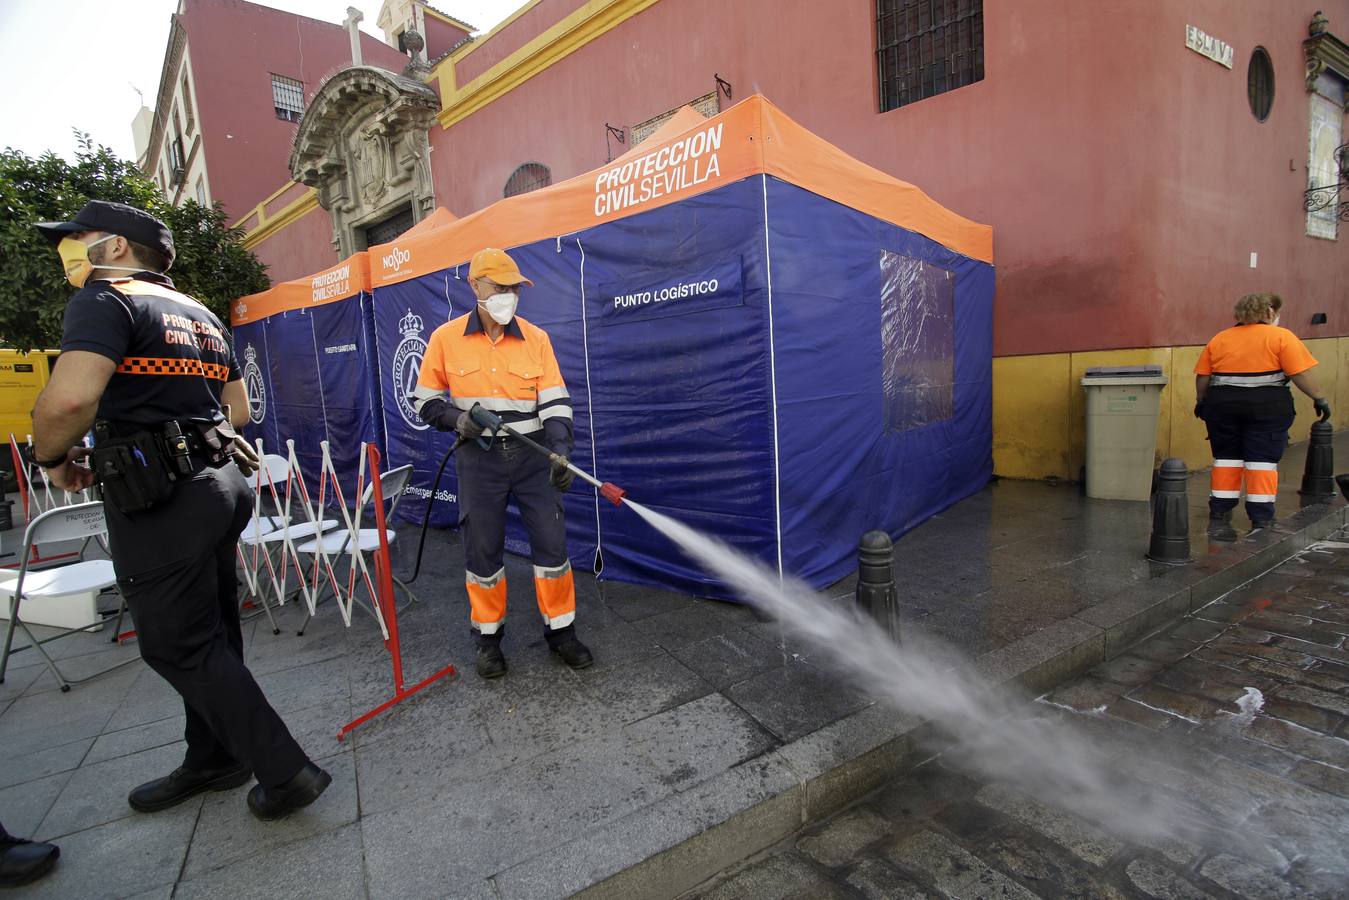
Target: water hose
426,519
492,422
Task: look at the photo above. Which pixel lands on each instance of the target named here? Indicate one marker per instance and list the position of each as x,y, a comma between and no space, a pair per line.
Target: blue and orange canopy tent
762,337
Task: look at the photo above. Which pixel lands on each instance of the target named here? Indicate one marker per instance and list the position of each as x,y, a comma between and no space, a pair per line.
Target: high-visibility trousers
1246,453
488,480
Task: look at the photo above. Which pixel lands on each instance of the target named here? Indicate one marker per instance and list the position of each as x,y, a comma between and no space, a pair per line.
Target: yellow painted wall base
1039,426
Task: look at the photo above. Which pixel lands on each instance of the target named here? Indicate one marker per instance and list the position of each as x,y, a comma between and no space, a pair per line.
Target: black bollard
1170,542
1318,478
876,593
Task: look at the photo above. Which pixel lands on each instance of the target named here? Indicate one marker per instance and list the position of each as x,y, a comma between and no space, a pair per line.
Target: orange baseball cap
496,265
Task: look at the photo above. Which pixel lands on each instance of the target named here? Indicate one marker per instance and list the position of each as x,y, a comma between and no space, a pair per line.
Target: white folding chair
252,553
83,522
278,543
357,542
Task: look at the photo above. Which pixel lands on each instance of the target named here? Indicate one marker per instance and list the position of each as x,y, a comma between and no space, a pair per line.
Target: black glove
466,427
1199,409
1322,407
438,414
561,476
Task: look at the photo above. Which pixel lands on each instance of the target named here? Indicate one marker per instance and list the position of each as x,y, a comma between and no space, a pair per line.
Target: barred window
529,177
927,47
288,98
1260,84
177,161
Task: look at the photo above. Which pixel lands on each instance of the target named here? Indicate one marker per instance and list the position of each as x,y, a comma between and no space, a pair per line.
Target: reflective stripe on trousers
1225,480
488,480
1247,448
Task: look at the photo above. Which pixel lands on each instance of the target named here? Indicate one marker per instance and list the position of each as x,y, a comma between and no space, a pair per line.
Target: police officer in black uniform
148,369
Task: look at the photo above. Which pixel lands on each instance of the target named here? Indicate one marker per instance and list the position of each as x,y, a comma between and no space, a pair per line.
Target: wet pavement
701,736
1274,784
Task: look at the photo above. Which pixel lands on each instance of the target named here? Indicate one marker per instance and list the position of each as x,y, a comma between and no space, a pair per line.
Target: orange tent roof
686,118
751,138
687,156
439,218
350,276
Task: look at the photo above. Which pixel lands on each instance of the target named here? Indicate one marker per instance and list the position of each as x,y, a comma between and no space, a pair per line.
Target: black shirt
173,355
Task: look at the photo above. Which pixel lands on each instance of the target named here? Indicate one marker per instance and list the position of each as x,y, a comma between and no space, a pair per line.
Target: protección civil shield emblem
254,387
407,365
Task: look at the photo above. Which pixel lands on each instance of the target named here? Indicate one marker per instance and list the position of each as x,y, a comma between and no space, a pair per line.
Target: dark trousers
488,480
1251,441
175,567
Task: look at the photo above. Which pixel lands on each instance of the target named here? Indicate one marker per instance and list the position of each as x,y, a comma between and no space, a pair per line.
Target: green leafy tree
212,263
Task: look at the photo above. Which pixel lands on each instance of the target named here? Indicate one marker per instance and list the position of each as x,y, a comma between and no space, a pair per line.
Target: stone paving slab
702,735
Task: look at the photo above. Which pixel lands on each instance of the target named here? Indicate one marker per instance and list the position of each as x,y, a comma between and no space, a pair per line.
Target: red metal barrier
388,607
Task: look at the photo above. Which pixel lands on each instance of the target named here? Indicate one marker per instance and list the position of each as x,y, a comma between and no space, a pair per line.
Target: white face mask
501,307
1275,322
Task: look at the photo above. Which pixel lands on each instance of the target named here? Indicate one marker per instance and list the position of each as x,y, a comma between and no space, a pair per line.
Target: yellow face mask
75,260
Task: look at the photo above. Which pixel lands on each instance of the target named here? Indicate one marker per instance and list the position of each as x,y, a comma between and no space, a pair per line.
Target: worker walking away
497,359
1241,389
148,369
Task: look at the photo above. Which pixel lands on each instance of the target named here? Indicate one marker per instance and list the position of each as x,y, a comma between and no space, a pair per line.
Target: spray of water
1042,755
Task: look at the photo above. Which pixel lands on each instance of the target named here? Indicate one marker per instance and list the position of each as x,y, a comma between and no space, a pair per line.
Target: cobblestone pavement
1279,782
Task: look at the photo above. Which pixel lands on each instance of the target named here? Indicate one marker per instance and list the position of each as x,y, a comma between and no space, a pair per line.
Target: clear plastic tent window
917,341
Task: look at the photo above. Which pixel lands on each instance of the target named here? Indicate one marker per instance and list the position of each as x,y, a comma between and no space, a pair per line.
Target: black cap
114,218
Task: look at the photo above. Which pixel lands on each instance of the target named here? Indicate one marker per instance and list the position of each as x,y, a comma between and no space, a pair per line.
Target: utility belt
137,465
504,437
503,440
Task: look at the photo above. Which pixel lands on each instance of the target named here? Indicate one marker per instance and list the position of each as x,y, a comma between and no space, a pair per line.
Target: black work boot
182,783
274,802
565,643
1220,518
491,661
22,861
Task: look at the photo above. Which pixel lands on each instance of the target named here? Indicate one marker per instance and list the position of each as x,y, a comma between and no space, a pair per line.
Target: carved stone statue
362,143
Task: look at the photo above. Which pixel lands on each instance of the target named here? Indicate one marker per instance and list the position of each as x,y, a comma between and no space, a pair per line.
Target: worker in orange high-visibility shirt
495,358
1241,389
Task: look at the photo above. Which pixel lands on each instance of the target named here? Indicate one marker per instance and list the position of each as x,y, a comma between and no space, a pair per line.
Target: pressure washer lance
490,421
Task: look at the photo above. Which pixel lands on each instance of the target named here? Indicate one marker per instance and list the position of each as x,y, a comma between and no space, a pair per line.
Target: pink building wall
1124,175
235,48
440,36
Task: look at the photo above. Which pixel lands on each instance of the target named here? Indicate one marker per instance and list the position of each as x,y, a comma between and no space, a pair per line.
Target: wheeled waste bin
1122,403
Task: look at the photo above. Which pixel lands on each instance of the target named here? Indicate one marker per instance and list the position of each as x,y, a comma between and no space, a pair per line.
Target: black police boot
274,802
22,861
565,643
182,783
491,661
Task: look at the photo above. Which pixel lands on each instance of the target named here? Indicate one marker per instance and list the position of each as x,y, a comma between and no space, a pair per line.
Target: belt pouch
133,472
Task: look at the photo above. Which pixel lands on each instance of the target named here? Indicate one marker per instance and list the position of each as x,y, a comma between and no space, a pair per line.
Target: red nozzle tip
613,493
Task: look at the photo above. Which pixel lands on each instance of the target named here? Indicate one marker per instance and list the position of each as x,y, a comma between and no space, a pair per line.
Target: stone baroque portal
362,143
